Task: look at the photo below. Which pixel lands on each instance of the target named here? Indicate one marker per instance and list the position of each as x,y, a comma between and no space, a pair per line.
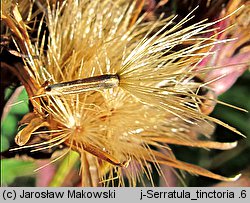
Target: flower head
117,91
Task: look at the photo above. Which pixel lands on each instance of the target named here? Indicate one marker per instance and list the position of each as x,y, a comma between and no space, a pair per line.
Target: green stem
64,169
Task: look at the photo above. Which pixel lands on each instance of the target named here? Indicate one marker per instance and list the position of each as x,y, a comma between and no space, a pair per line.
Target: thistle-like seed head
155,103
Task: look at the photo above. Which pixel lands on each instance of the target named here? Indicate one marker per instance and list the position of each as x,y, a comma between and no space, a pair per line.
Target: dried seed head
151,99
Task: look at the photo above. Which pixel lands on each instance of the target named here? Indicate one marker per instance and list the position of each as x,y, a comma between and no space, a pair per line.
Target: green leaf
4,144
22,107
12,168
9,126
7,93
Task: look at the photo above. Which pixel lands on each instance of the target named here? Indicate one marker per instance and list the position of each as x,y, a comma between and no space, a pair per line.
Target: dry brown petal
24,135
